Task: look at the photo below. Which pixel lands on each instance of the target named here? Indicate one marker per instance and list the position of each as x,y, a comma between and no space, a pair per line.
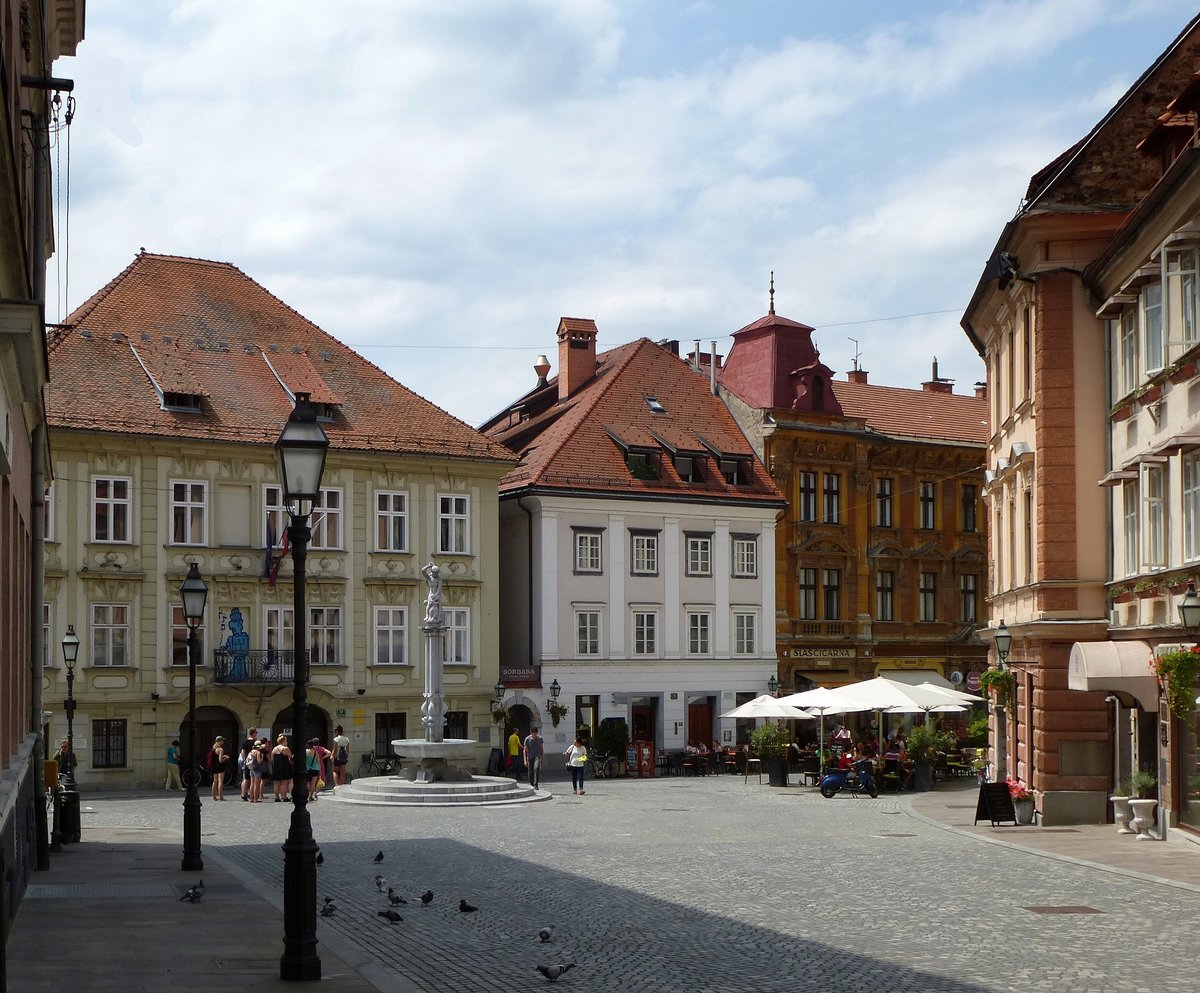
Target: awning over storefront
825,677
1114,665
914,677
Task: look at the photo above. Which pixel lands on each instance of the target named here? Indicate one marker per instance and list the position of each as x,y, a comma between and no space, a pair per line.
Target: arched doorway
519,717
210,722
316,726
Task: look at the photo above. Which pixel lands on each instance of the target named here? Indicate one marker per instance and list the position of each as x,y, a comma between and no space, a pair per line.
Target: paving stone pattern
707,884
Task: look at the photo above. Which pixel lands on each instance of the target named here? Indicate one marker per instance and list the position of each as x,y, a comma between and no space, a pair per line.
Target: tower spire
772,309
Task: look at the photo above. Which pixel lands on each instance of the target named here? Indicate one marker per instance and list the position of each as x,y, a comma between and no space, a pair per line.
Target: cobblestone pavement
707,884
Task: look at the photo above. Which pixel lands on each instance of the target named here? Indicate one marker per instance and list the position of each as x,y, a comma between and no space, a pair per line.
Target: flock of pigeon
393,916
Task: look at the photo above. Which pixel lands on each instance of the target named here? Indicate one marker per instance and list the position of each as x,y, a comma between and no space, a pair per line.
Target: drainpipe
529,553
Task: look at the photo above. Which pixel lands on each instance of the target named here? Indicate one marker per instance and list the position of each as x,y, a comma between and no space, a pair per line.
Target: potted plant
557,712
924,743
1023,800
1144,589
1177,673
499,715
1142,784
1000,683
770,742
1122,812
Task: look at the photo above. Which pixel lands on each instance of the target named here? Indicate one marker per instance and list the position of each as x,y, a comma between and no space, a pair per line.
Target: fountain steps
480,791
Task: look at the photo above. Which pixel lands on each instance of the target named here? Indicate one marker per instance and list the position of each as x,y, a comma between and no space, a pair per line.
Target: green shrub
769,741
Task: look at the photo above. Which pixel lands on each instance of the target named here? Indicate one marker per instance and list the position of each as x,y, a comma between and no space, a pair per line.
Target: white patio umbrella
768,706
957,696
894,697
821,700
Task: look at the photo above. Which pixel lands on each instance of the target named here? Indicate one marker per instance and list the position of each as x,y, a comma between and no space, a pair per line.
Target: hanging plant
557,712
1177,673
500,715
1000,683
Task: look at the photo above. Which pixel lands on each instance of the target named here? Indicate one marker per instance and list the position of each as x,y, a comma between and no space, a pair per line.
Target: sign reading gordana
821,653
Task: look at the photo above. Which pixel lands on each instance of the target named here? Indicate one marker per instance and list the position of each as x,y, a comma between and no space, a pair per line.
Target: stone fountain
438,776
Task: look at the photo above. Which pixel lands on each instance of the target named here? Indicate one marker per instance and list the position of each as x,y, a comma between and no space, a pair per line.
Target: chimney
576,354
981,391
857,376
936,384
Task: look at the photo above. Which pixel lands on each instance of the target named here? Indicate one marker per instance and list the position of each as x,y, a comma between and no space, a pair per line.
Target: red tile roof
571,446
206,329
917,414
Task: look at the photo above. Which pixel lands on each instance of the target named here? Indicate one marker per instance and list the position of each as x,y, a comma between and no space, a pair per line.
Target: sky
437,183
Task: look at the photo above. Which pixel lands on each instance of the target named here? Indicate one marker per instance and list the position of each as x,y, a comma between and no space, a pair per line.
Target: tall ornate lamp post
71,830
301,450
1003,642
195,595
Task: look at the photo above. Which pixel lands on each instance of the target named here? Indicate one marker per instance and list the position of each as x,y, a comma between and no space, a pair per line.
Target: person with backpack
341,755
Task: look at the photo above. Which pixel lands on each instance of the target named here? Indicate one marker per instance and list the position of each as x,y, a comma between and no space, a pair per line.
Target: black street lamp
1189,610
195,595
772,684
499,687
555,689
71,830
301,450
1003,642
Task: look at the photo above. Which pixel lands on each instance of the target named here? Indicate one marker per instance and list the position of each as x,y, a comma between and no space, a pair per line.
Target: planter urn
1143,818
1122,813
1023,811
923,777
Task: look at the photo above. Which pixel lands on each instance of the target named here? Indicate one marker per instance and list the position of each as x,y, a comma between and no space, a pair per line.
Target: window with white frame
324,635
883,501
280,629
454,524
1128,350
275,517
832,498
589,550
48,514
327,521
699,555
928,502
110,634
1132,543
587,632
968,586
112,509
391,636
1152,327
1156,517
1181,297
927,596
458,635
745,632
643,558
807,588
179,636
885,596
1191,506
699,632
189,512
391,521
745,556
806,509
645,632
47,643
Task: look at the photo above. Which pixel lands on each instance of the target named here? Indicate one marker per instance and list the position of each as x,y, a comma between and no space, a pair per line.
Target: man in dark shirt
535,750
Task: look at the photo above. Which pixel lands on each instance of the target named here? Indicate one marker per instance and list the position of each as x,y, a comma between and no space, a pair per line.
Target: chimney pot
576,354
857,376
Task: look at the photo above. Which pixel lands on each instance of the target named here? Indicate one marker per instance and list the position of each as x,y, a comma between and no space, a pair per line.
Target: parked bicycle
603,766
377,765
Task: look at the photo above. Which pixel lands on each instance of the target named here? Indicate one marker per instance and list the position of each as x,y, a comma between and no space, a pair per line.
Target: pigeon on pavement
552,972
320,857
391,915
394,898
193,893
329,909
427,897
380,883
545,934
466,908
379,856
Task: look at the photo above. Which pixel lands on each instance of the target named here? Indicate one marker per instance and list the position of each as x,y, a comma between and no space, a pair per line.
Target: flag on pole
283,550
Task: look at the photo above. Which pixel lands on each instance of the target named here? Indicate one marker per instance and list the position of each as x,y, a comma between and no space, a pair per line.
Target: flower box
1183,373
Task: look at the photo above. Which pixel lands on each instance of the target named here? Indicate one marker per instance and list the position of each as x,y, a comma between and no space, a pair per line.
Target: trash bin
69,818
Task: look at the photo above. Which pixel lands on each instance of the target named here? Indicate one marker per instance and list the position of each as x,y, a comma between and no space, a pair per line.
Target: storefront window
1190,770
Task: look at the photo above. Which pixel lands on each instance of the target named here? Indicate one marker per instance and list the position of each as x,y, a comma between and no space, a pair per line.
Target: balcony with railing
820,629
260,667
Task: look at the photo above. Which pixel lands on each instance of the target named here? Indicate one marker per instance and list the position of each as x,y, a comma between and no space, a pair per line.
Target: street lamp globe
772,685
301,449
1189,610
195,595
70,647
1003,642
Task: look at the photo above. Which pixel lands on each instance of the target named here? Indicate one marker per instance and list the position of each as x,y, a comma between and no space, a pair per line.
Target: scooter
859,778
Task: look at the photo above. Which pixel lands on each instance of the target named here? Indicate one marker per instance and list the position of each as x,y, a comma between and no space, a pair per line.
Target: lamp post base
193,860
300,962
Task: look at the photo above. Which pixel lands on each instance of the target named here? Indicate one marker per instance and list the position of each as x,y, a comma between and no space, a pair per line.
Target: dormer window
186,402
325,411
688,468
734,471
642,464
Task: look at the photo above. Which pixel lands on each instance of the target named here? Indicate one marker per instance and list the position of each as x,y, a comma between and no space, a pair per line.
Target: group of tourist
258,761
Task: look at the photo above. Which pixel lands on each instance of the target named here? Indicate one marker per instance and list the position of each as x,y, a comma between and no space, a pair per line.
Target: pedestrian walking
514,754
341,755
173,755
576,761
535,751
